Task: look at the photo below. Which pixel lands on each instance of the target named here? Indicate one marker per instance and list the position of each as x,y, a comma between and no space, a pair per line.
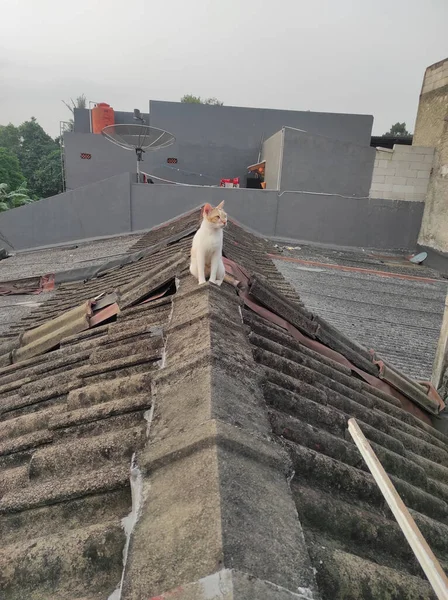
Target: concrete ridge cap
231,584
222,435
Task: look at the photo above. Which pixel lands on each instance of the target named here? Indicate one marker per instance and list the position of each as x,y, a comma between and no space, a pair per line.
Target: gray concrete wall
272,154
154,204
368,223
82,119
315,163
100,209
118,206
213,142
107,160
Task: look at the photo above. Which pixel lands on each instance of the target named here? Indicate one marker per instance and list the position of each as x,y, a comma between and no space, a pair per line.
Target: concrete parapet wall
117,206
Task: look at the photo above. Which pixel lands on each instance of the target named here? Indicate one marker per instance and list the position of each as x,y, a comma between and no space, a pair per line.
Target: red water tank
102,116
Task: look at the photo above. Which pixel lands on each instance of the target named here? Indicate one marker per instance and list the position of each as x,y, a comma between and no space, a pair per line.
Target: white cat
206,250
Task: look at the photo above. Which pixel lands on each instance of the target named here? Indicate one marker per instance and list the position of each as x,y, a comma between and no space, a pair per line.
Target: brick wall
402,173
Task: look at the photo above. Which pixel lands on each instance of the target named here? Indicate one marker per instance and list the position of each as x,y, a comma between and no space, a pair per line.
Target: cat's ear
221,205
207,208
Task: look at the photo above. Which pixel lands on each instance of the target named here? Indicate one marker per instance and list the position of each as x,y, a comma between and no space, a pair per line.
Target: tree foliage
35,145
10,171
48,175
13,198
80,102
28,154
190,99
213,102
10,138
398,130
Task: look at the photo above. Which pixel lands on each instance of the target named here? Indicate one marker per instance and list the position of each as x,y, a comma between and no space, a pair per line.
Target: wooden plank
441,358
422,551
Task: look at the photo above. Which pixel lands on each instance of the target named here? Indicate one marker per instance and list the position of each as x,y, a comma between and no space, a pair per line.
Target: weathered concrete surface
431,129
434,229
232,585
432,106
217,495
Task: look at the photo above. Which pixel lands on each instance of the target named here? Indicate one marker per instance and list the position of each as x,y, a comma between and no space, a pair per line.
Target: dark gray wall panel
221,141
100,209
107,160
315,163
153,204
370,223
117,206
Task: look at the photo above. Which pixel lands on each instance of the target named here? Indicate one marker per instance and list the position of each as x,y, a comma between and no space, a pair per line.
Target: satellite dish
139,138
419,258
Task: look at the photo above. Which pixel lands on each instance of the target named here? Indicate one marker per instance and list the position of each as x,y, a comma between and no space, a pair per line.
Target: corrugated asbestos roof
73,417
382,301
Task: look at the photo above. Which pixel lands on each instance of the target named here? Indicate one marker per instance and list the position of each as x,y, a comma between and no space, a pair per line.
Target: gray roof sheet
387,303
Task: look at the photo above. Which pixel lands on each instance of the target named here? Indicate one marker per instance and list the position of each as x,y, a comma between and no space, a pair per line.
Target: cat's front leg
216,259
200,264
221,272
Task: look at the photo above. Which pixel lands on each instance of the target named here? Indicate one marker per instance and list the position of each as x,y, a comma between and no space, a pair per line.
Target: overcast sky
351,56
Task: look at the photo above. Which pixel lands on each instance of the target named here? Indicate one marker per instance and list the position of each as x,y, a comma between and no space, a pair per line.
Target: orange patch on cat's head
216,216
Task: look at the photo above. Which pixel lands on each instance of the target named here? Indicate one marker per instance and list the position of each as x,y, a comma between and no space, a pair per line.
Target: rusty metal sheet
27,286
104,314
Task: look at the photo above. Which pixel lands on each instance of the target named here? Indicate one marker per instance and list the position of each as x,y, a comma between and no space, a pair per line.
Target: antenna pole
139,153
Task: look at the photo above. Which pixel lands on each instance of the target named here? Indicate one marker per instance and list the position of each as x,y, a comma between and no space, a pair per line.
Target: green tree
190,99
10,171
35,145
15,198
10,138
213,102
80,102
48,176
398,130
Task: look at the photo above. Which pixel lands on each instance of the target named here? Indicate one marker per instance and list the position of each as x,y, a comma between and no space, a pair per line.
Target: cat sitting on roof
206,250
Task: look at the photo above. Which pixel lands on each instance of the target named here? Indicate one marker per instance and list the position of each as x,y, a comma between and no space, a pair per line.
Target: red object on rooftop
235,182
102,116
